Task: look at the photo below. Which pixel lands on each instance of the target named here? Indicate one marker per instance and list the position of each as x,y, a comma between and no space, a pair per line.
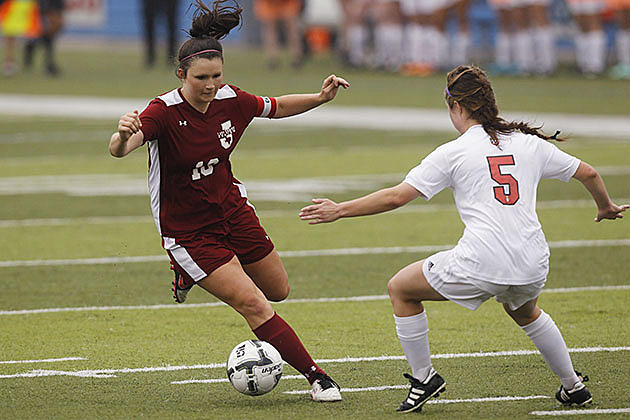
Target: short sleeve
558,165
255,106
152,119
431,176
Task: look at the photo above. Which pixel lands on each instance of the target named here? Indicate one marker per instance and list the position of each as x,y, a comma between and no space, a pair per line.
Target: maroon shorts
198,254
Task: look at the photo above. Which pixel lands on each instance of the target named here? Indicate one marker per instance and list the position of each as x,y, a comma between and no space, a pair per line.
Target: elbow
586,173
115,152
396,200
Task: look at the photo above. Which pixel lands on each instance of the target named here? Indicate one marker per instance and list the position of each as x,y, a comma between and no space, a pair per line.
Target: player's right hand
128,125
323,211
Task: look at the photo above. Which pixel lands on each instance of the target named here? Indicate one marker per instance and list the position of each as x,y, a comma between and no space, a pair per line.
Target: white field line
581,412
364,117
112,372
421,208
288,301
62,359
304,253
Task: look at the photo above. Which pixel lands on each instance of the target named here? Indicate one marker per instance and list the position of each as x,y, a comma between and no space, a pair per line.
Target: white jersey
495,195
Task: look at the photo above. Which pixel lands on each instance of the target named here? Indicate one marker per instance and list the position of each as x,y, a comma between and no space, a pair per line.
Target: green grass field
121,347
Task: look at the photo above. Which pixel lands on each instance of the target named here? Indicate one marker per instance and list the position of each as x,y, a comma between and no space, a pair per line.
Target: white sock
417,46
413,335
548,340
596,46
357,37
502,49
544,40
623,46
389,42
524,50
460,53
581,51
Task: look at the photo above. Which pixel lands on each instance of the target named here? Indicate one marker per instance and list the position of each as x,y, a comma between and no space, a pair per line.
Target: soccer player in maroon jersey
209,229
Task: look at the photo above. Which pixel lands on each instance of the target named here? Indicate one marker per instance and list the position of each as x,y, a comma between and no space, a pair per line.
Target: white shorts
441,274
586,7
422,7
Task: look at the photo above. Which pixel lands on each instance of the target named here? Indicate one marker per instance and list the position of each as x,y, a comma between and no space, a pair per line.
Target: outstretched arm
325,210
289,105
594,183
128,137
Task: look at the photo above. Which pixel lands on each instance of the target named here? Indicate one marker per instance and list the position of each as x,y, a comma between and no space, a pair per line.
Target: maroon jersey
190,177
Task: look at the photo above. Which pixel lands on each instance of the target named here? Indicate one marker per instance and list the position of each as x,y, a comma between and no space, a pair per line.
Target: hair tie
448,93
197,53
555,136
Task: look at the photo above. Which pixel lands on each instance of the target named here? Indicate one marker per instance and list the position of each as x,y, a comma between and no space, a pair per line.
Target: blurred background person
18,19
504,44
355,32
538,54
388,34
271,14
590,39
52,24
621,8
534,41
461,42
152,10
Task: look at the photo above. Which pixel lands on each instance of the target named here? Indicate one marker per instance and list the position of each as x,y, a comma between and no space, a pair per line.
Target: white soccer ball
254,367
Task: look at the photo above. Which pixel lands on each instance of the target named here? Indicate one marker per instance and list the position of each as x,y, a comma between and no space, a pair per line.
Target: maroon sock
280,334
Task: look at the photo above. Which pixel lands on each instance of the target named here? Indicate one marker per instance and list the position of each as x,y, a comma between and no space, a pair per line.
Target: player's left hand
331,86
323,211
613,212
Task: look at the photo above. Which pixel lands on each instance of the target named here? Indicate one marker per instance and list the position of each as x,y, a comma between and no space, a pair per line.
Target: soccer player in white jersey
493,168
209,228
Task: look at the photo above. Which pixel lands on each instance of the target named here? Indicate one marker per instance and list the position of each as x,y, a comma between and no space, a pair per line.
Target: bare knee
279,293
252,305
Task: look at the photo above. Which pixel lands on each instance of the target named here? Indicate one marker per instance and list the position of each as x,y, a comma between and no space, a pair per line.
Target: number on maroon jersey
495,163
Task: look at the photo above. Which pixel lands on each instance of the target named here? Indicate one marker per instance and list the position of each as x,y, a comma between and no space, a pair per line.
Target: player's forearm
295,104
594,184
377,202
117,146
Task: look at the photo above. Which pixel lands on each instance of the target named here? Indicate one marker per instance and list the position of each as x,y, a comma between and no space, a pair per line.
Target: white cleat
325,389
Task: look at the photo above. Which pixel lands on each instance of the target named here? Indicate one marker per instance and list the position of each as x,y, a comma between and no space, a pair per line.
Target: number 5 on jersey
505,180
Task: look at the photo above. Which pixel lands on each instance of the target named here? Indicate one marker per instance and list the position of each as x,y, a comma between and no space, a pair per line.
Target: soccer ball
254,367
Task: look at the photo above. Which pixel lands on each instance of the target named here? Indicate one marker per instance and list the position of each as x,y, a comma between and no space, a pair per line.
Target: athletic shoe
579,395
421,392
325,389
180,290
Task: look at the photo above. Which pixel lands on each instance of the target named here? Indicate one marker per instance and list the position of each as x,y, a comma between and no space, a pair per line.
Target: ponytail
469,86
209,25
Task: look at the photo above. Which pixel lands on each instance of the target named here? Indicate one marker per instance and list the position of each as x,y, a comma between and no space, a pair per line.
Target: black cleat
421,392
579,395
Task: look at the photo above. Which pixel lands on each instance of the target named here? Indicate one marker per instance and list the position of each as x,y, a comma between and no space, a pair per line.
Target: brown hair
470,87
208,27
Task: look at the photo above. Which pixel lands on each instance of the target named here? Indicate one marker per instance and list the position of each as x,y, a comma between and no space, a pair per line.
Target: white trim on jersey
154,182
183,258
171,98
243,191
225,92
267,105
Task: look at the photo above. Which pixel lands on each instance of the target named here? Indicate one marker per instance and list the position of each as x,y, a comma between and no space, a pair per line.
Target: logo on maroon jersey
226,135
202,169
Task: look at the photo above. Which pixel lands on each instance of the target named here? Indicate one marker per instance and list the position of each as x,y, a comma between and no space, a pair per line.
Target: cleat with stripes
180,290
421,392
579,395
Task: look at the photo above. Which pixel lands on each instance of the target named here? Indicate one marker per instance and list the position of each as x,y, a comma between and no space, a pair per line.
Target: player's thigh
232,285
411,284
270,276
